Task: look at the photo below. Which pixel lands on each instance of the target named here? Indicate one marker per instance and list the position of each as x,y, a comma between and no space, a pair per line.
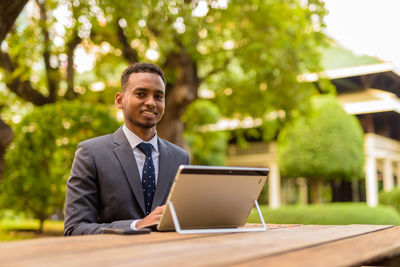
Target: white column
387,175
398,174
371,182
303,190
274,182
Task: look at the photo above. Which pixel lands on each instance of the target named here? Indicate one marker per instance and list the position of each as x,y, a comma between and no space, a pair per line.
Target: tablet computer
212,198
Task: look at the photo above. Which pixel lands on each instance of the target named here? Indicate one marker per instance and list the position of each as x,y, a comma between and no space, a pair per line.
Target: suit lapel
165,176
127,159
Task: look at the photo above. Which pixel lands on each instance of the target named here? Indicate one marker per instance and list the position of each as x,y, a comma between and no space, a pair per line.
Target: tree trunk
6,135
315,191
41,223
341,191
171,126
179,96
9,11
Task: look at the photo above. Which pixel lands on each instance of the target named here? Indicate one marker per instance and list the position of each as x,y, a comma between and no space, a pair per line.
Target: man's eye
140,94
159,97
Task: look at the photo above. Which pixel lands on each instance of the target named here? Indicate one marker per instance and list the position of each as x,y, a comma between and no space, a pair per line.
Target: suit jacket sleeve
82,197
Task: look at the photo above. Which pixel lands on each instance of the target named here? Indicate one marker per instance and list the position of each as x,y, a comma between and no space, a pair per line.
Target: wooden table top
280,245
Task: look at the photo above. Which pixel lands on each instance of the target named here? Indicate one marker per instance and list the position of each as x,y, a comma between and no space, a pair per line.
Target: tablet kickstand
216,230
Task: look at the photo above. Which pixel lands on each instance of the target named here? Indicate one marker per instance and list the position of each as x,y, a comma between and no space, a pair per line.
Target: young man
122,180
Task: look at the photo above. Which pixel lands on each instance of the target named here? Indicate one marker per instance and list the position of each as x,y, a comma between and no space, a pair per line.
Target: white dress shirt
140,157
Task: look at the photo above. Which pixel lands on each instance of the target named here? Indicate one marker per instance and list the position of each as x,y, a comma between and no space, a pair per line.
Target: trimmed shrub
391,198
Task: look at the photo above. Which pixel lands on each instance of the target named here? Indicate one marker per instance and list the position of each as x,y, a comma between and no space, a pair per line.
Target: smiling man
122,180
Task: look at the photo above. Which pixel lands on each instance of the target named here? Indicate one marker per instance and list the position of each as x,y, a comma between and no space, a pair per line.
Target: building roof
353,73
369,101
337,57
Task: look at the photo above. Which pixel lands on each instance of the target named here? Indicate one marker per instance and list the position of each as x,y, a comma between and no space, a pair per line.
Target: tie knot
145,148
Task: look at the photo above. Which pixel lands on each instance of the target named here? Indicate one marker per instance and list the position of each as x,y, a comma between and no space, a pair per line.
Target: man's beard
143,125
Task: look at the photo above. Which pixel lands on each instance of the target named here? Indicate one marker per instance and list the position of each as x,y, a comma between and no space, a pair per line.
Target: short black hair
139,68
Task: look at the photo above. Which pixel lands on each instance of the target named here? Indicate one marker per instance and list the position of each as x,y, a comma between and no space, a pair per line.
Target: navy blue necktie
148,176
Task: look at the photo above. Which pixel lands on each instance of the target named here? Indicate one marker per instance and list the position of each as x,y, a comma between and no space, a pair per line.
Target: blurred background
307,88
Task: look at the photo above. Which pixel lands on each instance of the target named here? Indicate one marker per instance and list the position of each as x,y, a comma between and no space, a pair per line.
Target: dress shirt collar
134,140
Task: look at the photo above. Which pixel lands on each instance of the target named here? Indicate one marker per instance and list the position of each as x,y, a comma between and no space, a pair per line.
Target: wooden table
280,245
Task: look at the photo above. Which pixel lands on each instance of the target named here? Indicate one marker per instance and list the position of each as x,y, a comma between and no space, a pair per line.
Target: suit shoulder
98,141
172,147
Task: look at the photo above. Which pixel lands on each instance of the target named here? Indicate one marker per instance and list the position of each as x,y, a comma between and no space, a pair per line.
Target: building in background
367,88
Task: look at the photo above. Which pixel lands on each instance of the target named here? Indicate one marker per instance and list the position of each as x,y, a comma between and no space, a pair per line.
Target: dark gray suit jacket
104,188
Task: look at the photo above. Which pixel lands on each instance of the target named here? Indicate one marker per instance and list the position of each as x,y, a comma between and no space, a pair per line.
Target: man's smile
149,113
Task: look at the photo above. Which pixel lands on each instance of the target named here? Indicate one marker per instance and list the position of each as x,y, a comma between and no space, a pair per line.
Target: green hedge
329,214
391,198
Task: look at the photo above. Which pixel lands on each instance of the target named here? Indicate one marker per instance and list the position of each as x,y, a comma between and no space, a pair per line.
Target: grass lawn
19,228
332,213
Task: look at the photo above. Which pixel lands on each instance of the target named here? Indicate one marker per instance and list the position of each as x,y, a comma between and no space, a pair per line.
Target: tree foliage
9,11
247,55
243,52
326,144
40,158
207,147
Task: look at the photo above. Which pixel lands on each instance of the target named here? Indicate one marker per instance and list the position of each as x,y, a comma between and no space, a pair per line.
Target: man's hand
152,219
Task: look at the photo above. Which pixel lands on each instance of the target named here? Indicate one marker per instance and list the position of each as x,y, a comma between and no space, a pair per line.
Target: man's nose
150,101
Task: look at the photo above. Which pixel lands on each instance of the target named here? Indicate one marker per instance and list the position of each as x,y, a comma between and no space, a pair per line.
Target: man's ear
119,103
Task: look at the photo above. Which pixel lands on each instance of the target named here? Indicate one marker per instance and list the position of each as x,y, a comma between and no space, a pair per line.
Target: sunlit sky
366,27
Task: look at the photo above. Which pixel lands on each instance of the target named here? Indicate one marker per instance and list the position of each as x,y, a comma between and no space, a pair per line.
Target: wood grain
355,251
35,248
281,243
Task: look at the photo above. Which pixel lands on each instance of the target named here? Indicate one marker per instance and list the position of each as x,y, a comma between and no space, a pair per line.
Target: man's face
143,101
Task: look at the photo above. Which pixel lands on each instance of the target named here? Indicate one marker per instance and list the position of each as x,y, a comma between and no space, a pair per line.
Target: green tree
327,144
39,159
36,59
9,11
207,146
244,53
